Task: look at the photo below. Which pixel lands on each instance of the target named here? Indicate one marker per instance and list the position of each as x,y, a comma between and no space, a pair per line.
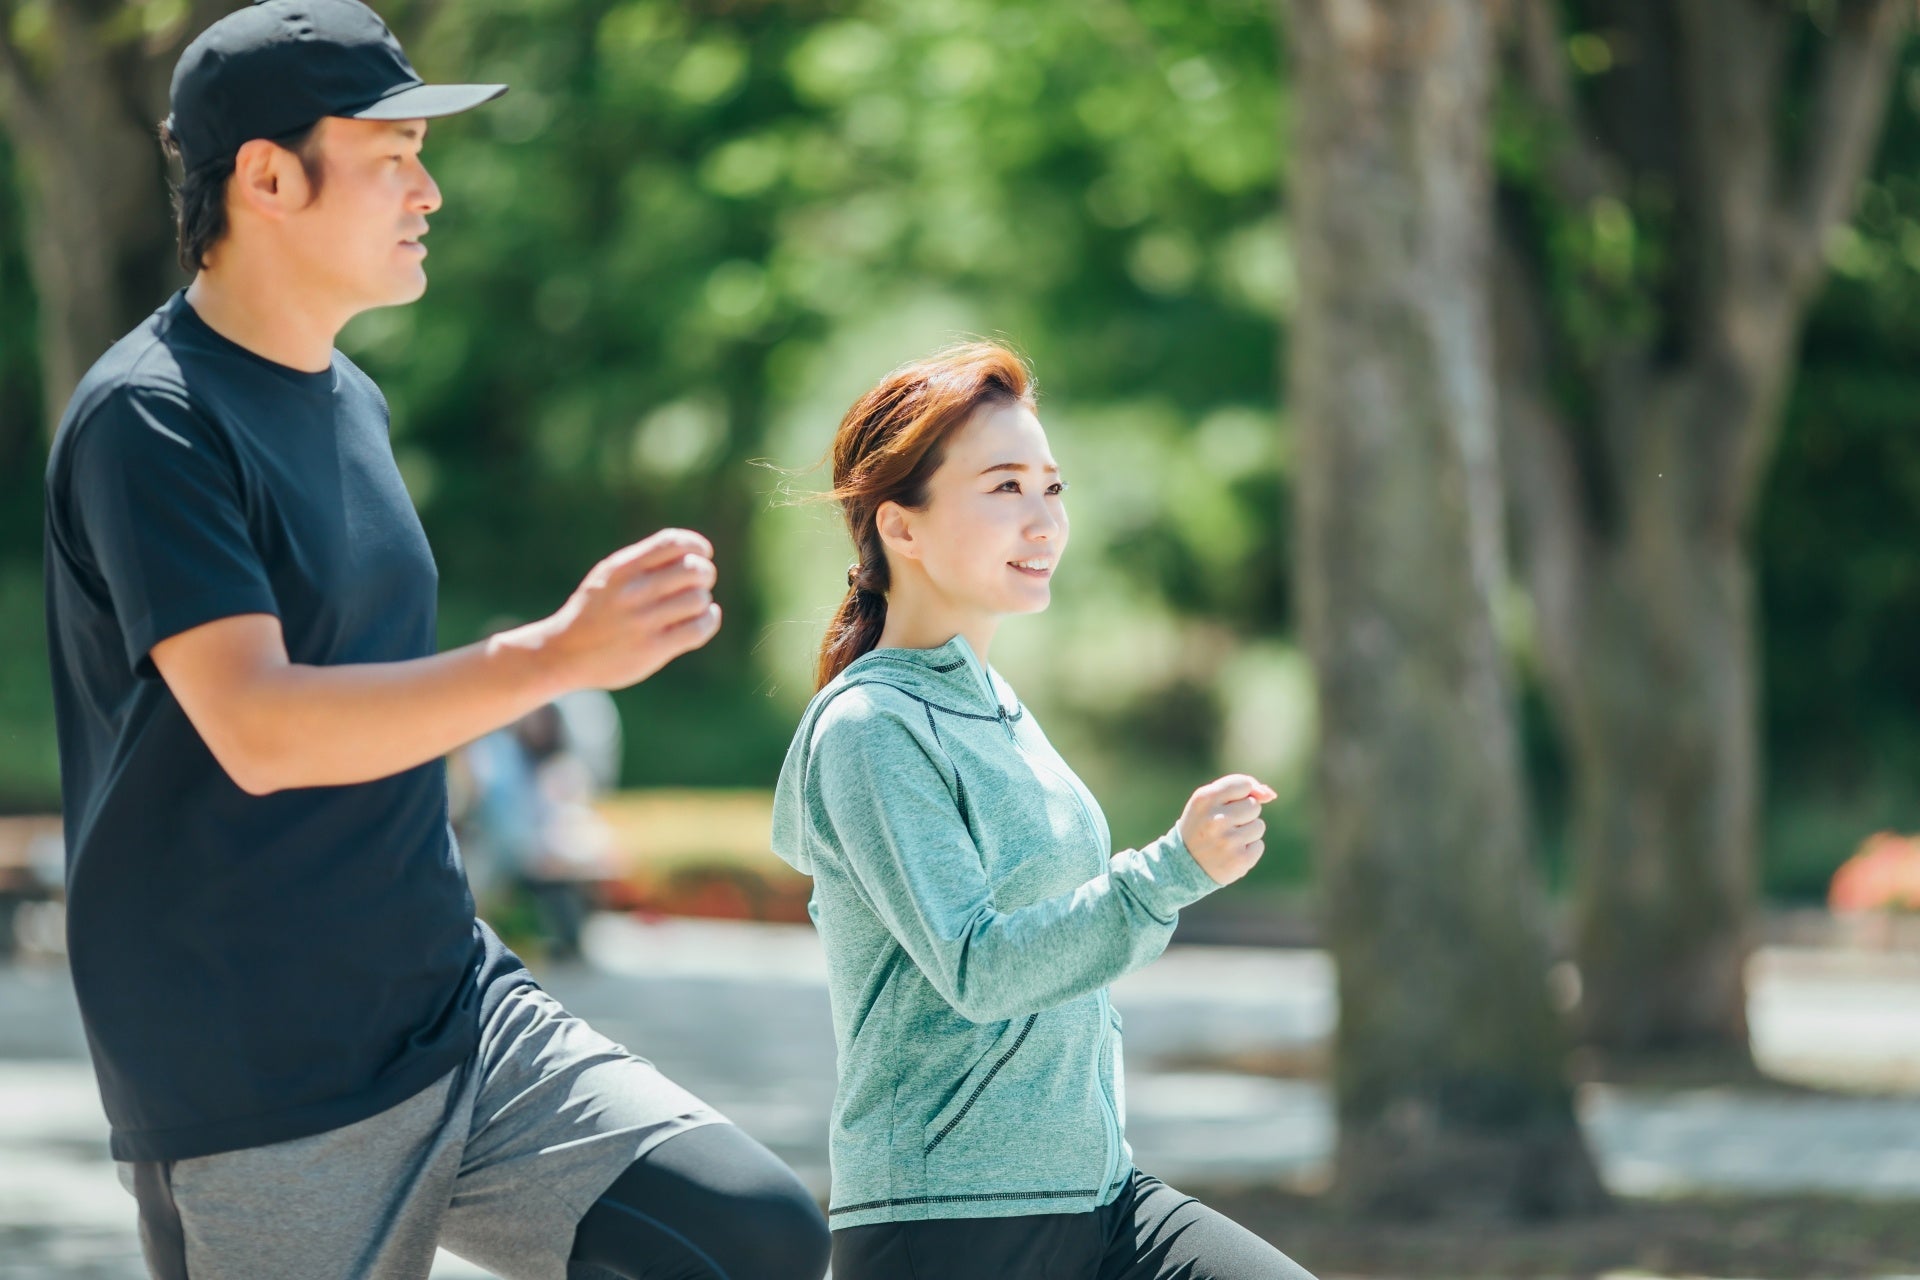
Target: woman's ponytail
862,616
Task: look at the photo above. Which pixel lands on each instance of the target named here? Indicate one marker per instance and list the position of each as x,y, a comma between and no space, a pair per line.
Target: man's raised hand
634,612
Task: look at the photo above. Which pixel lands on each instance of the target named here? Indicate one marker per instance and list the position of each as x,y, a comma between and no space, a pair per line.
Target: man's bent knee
707,1204
788,1237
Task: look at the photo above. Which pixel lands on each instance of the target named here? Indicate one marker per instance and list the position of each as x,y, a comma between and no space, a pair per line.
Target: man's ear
895,526
268,180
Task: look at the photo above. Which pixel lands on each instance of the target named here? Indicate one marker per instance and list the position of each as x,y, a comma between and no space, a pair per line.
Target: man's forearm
314,726
329,726
274,724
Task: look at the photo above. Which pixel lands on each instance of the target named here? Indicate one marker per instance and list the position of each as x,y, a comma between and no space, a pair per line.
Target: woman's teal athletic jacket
972,917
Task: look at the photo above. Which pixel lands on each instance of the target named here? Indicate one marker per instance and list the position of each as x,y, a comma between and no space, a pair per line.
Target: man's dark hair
200,197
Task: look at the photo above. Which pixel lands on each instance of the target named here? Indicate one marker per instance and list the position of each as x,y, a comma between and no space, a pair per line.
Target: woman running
963,881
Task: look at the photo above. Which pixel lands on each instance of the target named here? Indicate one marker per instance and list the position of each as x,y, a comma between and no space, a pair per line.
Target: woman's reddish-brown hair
887,449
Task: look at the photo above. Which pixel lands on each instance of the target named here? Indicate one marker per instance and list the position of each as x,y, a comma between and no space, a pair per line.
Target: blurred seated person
523,809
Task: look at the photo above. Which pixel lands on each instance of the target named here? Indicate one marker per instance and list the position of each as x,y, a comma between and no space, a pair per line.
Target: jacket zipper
1108,1112
1006,722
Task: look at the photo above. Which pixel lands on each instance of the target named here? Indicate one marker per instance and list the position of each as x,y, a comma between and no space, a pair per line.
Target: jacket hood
951,676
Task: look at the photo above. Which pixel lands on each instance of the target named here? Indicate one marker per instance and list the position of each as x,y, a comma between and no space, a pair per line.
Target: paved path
739,1012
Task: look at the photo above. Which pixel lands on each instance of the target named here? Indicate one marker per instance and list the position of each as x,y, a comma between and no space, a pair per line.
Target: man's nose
426,196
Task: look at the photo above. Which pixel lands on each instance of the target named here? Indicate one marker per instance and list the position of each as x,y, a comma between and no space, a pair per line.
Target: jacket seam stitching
959,784
981,1088
985,1195
1010,716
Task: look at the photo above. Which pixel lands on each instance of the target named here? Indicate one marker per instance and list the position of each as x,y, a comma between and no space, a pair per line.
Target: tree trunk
1449,1056
1634,492
1665,771
81,102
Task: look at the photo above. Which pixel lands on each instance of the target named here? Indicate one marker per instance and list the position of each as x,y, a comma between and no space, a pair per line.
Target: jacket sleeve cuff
1163,875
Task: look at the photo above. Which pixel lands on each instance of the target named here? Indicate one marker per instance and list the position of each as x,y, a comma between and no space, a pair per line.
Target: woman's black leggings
707,1204
1151,1232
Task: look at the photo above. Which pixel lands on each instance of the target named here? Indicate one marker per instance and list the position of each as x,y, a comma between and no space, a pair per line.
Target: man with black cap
316,1062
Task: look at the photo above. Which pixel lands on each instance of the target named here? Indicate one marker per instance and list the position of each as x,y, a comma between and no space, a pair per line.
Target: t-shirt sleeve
157,504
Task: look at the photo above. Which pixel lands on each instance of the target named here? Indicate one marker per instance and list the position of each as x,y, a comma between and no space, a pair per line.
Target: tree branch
1731,54
1579,171
1851,87
1551,507
1764,223
1703,427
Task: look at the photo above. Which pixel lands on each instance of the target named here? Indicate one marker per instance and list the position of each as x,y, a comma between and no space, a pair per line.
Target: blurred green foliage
697,234
28,771
1840,539
693,233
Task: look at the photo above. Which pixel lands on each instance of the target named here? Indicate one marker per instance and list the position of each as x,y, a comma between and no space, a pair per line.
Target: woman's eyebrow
1018,466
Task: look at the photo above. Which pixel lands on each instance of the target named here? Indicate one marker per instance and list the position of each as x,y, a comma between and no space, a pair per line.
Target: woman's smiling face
994,527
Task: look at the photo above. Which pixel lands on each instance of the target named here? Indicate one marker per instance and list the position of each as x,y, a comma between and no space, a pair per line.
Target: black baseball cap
281,65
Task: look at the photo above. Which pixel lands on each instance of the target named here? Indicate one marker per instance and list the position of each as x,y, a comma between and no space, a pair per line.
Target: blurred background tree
83,84
1671,175
1449,1063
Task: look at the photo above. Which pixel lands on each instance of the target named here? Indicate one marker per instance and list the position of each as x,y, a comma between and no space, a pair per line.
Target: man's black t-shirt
249,968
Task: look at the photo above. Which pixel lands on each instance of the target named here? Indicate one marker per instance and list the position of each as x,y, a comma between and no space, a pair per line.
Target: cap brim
428,101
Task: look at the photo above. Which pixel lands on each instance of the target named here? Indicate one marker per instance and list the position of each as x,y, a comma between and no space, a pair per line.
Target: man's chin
396,293
411,290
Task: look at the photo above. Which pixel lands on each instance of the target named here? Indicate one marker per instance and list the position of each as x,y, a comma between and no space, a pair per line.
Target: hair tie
861,581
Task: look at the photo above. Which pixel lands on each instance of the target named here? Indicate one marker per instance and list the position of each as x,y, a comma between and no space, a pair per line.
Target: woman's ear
895,525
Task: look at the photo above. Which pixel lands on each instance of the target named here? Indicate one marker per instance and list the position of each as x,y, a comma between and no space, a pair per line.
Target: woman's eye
1057,488
1010,486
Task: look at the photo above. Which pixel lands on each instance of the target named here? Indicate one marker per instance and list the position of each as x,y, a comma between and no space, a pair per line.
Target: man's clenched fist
636,611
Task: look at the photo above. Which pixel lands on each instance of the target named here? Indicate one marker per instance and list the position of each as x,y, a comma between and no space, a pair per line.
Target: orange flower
1882,875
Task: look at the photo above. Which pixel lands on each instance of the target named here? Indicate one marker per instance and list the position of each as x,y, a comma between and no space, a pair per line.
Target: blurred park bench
700,853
